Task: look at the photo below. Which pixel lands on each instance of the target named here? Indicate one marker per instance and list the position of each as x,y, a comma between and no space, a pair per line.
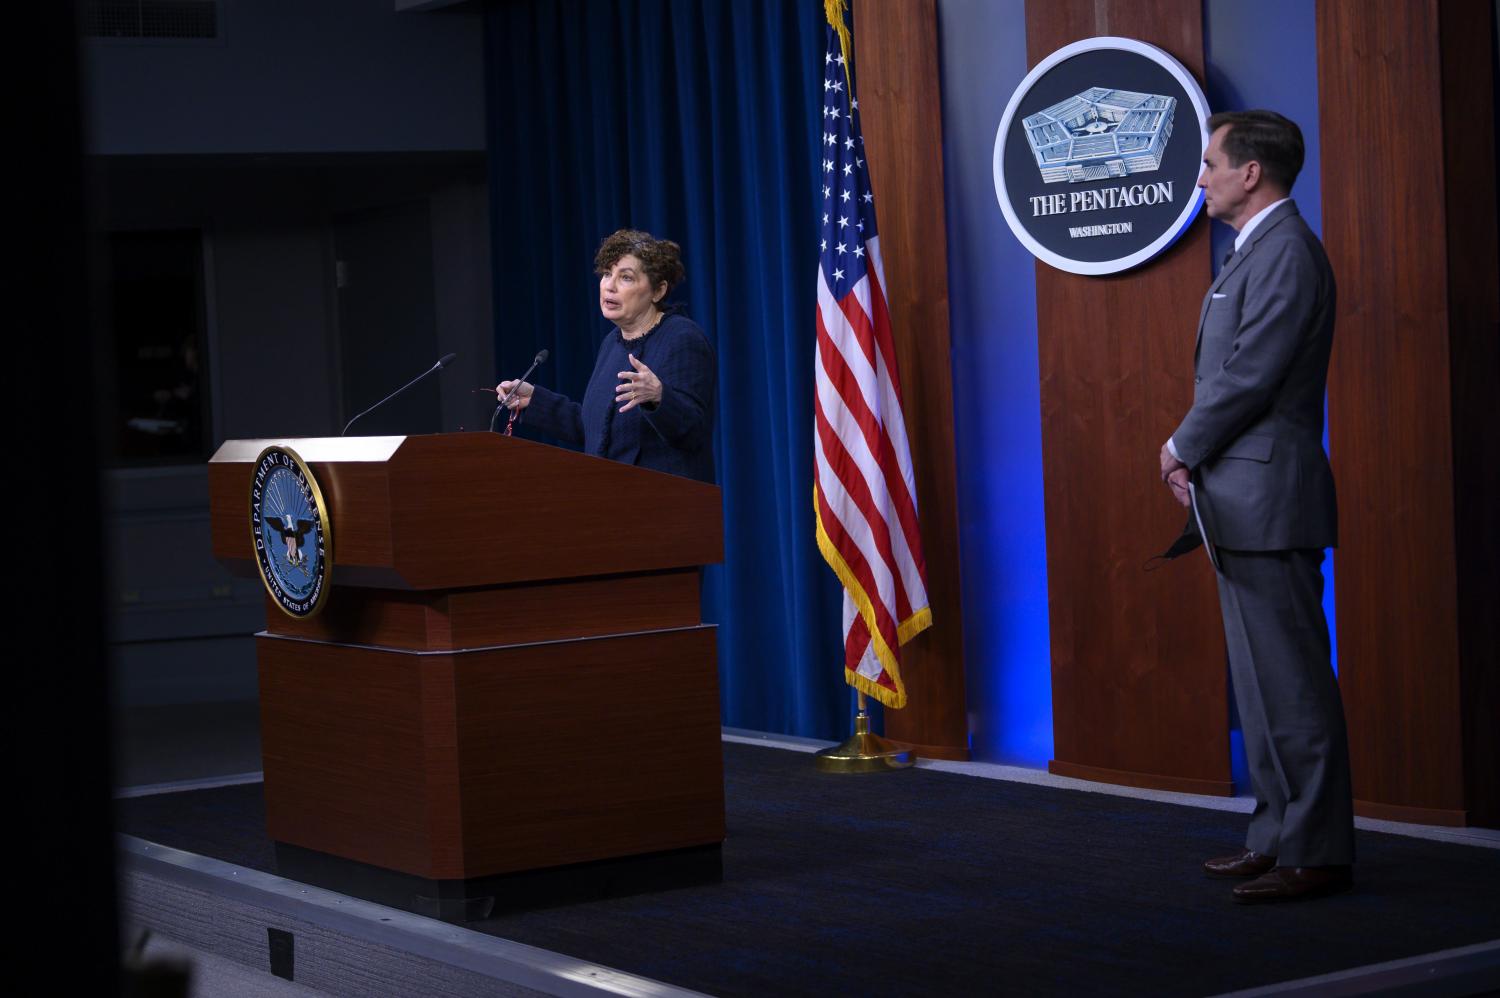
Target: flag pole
864,752
864,503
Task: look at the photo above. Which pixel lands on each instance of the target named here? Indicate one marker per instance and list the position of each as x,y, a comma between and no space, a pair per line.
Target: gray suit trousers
1289,705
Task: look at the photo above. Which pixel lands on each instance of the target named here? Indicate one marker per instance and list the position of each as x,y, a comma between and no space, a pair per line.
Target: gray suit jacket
1254,435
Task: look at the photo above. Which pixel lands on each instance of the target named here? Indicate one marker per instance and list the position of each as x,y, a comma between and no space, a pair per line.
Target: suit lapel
1270,222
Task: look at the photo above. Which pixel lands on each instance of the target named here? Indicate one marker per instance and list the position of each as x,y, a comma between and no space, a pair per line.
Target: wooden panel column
1139,685
1406,105
896,72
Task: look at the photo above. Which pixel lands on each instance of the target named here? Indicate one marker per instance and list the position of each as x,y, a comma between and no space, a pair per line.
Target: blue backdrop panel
698,121
996,395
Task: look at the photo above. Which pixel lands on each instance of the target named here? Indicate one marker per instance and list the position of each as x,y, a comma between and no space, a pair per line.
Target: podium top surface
311,448
455,510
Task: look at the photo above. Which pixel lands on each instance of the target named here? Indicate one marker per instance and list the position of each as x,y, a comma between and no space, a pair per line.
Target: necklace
654,323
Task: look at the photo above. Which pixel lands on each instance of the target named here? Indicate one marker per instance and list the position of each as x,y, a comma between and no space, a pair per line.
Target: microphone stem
398,391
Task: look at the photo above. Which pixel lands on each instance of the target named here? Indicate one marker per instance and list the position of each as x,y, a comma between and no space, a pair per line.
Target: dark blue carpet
921,882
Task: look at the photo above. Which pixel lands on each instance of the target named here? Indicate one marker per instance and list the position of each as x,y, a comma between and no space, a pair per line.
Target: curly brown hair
660,258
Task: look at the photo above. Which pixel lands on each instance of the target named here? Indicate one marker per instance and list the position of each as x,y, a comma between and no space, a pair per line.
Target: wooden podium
510,674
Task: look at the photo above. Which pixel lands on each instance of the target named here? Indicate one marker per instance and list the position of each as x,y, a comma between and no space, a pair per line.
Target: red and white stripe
864,495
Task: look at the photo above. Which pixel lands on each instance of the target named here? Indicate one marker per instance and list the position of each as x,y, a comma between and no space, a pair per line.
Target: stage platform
949,879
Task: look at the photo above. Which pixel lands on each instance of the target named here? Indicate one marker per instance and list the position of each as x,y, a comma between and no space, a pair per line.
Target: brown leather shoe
1295,883
1242,864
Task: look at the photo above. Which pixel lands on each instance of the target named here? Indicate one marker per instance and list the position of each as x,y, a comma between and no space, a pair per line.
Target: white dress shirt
1256,219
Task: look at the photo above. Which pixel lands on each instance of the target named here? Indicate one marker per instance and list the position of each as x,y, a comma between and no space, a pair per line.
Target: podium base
477,898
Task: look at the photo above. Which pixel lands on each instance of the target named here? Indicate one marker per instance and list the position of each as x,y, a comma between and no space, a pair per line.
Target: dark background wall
290,77
329,161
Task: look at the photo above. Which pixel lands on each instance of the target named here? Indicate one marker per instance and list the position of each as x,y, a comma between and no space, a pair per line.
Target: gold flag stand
863,752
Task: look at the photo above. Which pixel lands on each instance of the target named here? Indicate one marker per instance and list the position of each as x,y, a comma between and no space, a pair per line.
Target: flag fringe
895,699
833,10
914,625
907,629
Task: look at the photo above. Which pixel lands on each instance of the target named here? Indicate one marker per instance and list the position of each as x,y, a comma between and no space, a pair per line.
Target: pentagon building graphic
1101,133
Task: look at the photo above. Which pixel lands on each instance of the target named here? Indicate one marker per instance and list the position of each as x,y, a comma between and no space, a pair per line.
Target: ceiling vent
169,19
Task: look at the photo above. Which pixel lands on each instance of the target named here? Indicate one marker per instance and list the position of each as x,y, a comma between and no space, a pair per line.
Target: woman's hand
515,395
638,387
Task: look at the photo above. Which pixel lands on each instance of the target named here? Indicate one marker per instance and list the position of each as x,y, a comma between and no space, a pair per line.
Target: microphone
447,359
537,361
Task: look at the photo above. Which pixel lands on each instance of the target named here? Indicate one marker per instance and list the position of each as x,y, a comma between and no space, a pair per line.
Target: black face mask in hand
1189,540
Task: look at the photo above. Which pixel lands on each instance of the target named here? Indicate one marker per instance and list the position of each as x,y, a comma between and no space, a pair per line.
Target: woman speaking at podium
650,400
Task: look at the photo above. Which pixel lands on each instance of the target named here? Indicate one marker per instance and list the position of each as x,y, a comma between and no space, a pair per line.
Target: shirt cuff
1172,449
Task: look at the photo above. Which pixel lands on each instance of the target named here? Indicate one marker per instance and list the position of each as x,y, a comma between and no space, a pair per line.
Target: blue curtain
697,121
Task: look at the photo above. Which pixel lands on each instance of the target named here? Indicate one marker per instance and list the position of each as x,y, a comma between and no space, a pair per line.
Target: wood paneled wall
896,67
1406,105
1139,687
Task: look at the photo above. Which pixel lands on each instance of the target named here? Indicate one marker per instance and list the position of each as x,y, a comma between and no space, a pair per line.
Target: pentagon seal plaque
1098,154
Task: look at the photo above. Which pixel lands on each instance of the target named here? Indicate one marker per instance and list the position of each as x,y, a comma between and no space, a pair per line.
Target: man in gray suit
1249,456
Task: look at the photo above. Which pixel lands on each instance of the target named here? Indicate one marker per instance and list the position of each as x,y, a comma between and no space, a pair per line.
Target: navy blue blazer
675,435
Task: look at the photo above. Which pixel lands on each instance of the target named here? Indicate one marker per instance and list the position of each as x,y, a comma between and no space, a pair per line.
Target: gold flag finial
834,11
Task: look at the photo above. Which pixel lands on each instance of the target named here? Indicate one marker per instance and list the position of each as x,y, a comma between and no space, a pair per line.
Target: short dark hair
1273,141
661,259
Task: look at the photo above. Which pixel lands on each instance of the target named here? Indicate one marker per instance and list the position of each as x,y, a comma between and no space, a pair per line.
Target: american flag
863,493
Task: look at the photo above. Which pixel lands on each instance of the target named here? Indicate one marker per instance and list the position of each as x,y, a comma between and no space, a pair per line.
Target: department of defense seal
291,530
